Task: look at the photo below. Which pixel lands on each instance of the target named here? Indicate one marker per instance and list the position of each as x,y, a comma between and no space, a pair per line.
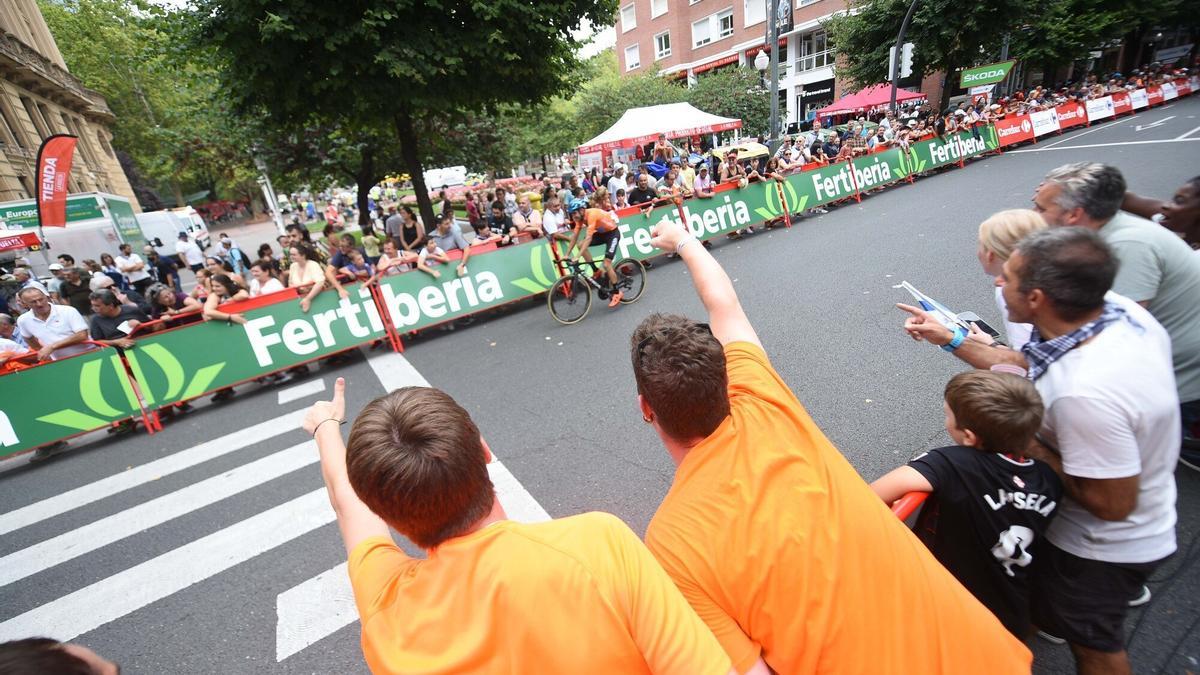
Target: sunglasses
641,346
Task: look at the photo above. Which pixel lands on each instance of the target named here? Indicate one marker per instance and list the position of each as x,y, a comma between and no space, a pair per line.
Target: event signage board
1122,103
1071,115
1014,129
23,215
1137,98
1154,96
989,74
1169,91
1099,108
1044,122
1183,87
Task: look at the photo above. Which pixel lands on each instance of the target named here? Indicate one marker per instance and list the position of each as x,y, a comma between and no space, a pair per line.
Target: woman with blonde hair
998,238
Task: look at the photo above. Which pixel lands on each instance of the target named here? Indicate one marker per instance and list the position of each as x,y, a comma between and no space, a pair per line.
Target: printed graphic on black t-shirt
985,521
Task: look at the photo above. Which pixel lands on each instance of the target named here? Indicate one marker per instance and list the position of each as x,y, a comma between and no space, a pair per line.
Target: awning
871,97
642,125
10,240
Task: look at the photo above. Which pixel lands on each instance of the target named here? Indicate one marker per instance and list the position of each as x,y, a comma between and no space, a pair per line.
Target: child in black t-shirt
990,504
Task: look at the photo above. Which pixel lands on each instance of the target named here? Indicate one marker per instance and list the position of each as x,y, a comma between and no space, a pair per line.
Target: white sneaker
1142,598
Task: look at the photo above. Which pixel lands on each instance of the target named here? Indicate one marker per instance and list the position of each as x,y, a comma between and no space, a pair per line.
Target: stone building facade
38,98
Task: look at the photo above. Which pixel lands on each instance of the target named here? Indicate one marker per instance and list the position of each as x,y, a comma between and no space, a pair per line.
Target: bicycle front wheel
570,299
631,279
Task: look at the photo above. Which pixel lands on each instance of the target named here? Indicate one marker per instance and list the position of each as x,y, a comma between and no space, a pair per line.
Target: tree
734,92
376,62
169,117
603,100
948,34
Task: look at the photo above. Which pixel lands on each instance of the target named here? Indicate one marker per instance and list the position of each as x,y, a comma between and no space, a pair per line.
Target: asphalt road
183,554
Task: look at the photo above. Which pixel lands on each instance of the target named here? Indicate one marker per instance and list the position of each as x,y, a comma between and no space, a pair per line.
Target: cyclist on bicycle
600,229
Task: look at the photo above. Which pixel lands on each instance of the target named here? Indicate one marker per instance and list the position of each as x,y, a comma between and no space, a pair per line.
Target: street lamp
764,61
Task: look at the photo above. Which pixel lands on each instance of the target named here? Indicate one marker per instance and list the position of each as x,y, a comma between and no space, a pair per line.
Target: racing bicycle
570,297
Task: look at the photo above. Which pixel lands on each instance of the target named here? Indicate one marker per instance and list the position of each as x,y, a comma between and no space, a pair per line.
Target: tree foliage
735,92
950,35
392,63
170,118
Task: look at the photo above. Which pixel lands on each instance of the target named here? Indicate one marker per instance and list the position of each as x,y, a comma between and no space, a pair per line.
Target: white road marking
1074,136
324,604
1156,123
118,526
126,480
1185,135
300,391
1106,145
130,590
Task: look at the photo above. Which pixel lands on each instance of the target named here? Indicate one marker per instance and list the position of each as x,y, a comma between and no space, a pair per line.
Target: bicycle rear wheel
569,299
631,279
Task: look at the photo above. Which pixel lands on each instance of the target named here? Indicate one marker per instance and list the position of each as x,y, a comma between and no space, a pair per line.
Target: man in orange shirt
772,536
574,595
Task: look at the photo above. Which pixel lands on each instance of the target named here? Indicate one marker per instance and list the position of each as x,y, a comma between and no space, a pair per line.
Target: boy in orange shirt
775,540
574,595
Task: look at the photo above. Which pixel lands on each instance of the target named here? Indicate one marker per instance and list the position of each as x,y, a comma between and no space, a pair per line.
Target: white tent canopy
642,125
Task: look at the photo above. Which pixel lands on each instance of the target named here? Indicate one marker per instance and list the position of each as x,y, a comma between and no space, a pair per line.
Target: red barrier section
906,505
1013,130
1154,95
1122,105
1071,115
1183,87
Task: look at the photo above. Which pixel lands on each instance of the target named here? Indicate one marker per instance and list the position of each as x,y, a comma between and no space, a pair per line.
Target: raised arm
1138,205
725,316
355,520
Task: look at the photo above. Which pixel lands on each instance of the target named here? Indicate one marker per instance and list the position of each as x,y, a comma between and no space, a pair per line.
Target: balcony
814,61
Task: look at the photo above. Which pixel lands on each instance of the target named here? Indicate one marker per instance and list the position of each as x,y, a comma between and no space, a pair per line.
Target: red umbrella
865,99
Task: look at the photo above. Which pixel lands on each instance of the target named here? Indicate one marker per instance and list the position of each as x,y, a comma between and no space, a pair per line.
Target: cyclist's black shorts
610,240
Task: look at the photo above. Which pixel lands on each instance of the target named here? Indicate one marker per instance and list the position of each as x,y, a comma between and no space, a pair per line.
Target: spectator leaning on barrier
554,220
498,227
703,186
224,289
305,274
448,239
990,505
167,303
55,331
263,280
526,220
113,321
1115,448
761,498
643,193
393,262
417,463
1158,270
8,331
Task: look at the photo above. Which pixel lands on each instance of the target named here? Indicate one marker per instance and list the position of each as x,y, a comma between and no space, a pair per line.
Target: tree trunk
365,180
408,150
178,192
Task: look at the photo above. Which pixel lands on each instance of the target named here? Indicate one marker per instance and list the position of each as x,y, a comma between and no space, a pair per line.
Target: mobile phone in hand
973,318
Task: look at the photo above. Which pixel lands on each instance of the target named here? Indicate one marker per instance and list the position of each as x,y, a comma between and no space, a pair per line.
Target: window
755,11
35,117
628,18
632,58
662,45
105,144
657,8
806,3
13,135
46,117
815,52
712,27
725,24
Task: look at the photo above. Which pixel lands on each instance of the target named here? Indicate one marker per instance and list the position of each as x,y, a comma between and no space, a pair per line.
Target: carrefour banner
1138,98
1099,108
1071,115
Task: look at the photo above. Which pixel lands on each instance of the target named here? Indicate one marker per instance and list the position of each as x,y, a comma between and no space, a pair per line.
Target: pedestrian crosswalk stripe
101,533
132,589
300,391
138,475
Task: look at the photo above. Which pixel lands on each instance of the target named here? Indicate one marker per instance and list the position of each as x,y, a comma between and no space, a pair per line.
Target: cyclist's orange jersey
598,220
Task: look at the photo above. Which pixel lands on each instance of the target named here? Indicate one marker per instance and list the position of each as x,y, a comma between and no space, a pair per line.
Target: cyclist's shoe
616,299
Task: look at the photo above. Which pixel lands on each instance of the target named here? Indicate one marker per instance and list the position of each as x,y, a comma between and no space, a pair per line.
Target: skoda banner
989,74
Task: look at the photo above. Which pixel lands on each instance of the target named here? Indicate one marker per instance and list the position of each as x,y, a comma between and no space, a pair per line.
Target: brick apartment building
686,38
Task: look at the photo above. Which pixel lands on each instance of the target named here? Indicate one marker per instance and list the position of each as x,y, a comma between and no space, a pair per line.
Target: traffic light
906,59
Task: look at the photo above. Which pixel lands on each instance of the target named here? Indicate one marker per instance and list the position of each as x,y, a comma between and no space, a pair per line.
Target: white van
196,228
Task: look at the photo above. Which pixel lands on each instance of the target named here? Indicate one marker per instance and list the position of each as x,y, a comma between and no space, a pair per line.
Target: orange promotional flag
53,169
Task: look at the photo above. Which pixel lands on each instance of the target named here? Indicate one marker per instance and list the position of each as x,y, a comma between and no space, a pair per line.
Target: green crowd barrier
64,398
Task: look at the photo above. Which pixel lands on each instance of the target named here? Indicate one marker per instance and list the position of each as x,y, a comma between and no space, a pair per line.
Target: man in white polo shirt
55,331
